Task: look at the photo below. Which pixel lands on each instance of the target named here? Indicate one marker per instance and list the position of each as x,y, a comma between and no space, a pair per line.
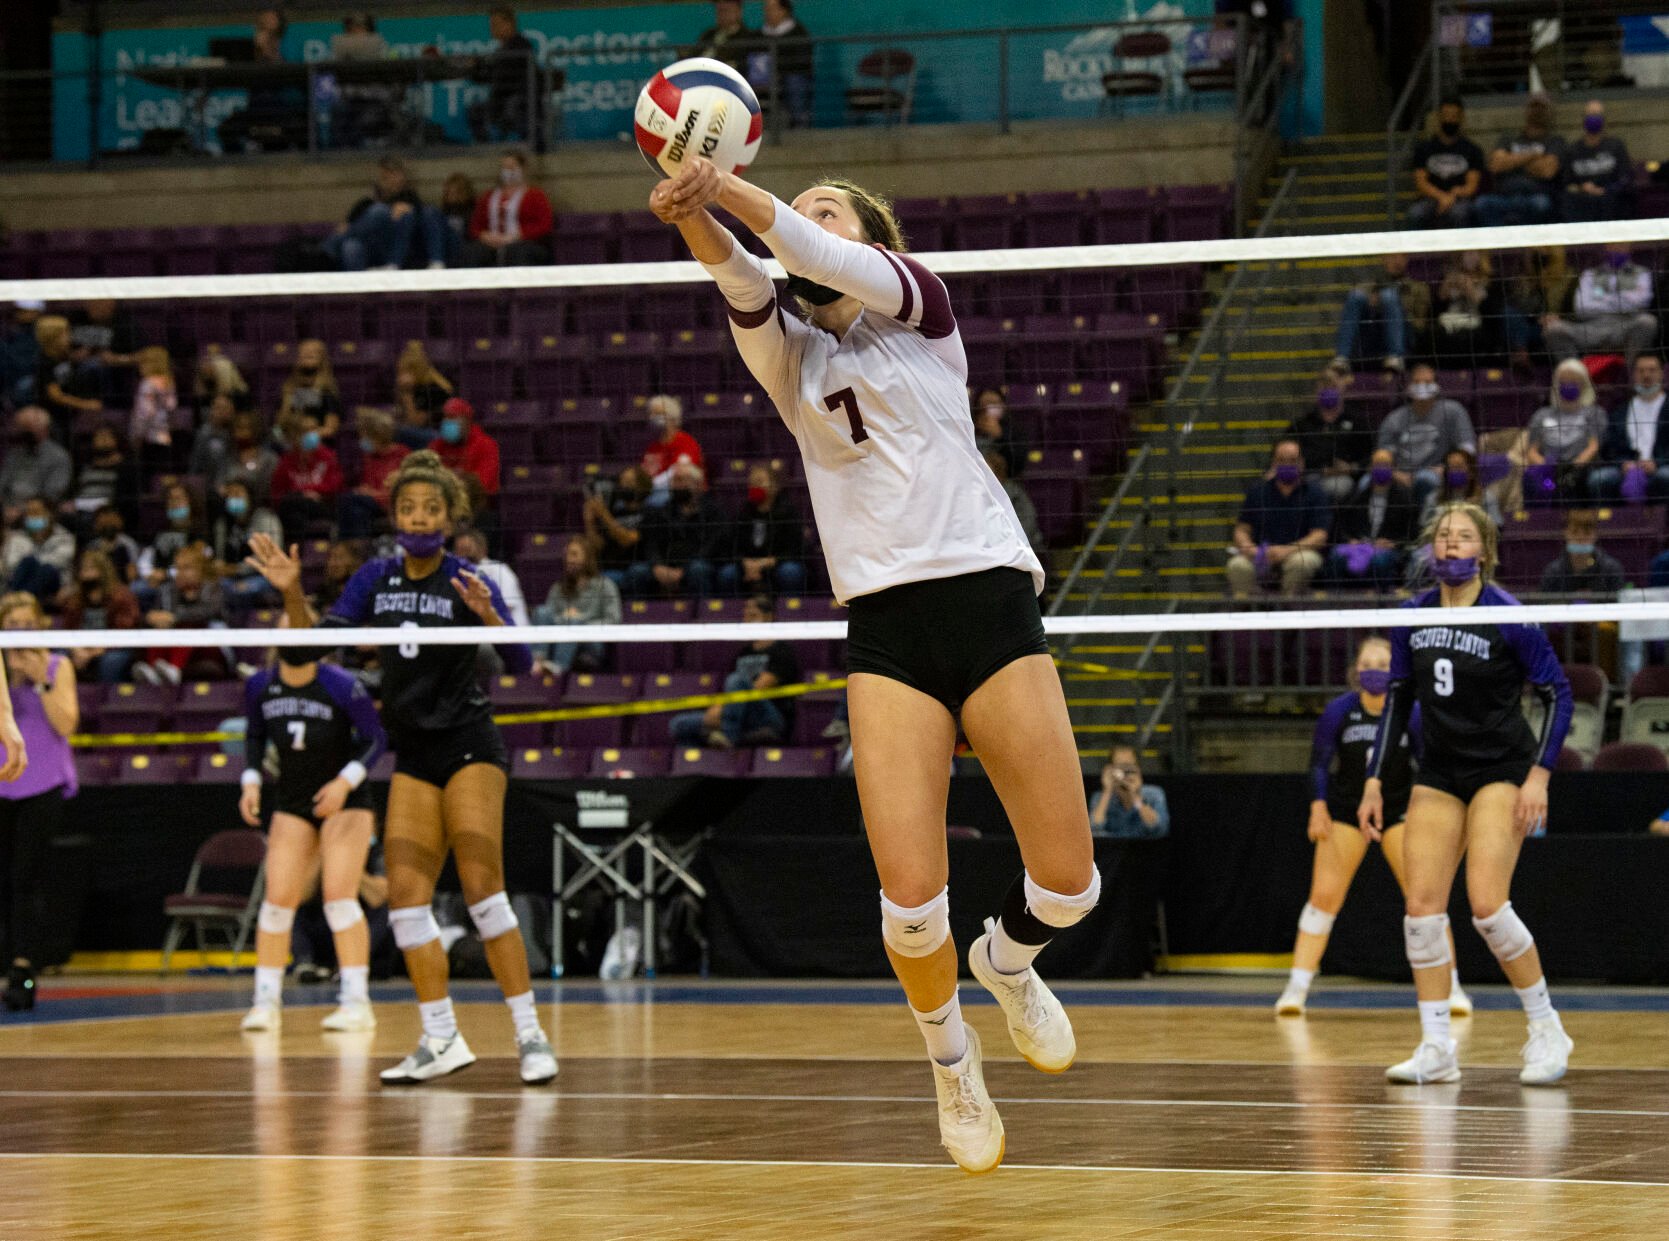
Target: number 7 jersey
900,490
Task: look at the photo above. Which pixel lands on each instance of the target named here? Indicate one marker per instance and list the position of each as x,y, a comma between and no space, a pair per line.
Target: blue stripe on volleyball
706,77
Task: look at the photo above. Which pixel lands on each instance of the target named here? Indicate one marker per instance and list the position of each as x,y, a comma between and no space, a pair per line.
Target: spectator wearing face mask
1611,313
307,481
465,448
311,389
189,599
1383,318
1525,170
768,548
1461,481
1465,330
1582,570
1563,438
1448,172
364,507
1282,530
1422,431
218,376
613,519
250,461
512,223
39,554
98,600
185,528
107,478
679,541
1636,444
1598,173
1373,529
35,465
110,537
229,534
994,431
583,595
1335,442
213,443
671,445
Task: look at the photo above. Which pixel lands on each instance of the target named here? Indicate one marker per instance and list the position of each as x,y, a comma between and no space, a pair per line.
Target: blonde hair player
1481,789
314,732
924,548
1346,733
451,768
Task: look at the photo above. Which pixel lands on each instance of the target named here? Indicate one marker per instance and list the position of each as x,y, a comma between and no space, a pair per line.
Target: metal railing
1258,116
1506,47
1402,130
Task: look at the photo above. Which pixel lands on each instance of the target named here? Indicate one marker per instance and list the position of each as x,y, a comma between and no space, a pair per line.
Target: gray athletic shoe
538,1060
433,1058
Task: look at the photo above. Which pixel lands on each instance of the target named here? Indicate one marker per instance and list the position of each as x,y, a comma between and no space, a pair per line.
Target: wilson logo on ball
698,106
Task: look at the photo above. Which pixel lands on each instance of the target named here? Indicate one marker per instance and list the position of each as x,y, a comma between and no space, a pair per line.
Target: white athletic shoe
354,1015
538,1060
1460,1004
969,1127
1037,1023
1546,1053
1429,1063
433,1058
1291,1003
261,1018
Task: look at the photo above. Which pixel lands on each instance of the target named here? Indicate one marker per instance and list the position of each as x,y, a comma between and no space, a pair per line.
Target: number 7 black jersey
1469,681
301,737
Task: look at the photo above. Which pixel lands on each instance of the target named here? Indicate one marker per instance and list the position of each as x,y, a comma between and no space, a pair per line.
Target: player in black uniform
1482,786
451,767
313,731
1347,731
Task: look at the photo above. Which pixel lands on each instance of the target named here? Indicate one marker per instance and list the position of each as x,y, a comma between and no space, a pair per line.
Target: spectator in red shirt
307,480
464,447
512,223
672,446
364,510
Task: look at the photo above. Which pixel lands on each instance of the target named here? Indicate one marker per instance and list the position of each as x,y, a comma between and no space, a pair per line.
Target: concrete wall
905,163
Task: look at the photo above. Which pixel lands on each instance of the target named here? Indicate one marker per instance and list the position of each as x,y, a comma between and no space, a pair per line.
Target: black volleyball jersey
1468,681
301,737
1348,733
424,687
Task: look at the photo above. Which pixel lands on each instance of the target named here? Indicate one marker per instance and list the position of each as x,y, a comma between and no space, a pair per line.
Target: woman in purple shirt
38,777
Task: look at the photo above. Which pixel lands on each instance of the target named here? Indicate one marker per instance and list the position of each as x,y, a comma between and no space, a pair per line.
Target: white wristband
354,773
251,778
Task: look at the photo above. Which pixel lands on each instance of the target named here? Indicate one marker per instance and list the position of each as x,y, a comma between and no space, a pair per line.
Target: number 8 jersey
900,490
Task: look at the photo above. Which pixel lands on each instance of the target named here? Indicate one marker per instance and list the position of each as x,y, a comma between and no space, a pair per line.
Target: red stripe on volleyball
665,94
756,126
650,144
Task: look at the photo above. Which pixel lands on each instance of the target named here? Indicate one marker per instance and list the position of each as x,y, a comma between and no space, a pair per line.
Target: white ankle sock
947,1040
1301,979
269,985
439,1021
1454,981
1434,1022
1538,1005
524,1012
356,985
1009,956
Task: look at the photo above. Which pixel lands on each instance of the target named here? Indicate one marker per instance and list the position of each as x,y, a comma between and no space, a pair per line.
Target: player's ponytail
425,466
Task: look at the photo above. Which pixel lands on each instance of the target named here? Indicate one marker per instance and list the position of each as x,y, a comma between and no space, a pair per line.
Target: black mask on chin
299,656
810,291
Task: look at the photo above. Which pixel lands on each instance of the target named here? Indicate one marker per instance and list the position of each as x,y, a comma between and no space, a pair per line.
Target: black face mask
298,656
682,495
1449,128
307,372
812,292
90,585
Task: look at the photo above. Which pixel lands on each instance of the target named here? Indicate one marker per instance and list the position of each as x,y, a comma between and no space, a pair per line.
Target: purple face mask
1287,475
1569,391
1373,680
1382,475
422,546
1455,572
1458,480
1616,260
1594,123
1328,398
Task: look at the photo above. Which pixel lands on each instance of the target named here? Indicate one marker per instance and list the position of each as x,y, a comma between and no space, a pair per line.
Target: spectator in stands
1583,569
613,517
380,227
1423,431
35,465
212,446
65,385
993,429
38,552
768,546
308,480
251,461
110,537
1024,509
1525,170
364,508
185,528
679,539
103,334
1448,172
792,61
1563,438
1612,312
763,663
1282,529
107,478
470,545
1636,444
672,446
465,448
275,118
1533,291
511,76
512,223
1373,529
366,111
1127,807
190,599
1335,443
20,353
150,431
420,390
457,206
1461,481
342,561
1379,317
229,534
727,39
583,595
218,376
311,389
1599,175
98,600
1460,337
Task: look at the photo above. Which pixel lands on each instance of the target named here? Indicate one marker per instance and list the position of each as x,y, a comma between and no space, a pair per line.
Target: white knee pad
917,932
1315,921
275,919
493,916
341,915
1427,940
1508,938
1053,909
413,926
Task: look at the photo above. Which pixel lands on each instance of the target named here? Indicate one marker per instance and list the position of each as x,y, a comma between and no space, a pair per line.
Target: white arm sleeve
768,340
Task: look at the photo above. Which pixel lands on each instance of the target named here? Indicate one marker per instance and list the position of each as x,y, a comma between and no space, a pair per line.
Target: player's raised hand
268,558
477,596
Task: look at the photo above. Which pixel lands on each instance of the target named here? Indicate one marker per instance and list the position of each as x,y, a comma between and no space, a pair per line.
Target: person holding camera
1126,807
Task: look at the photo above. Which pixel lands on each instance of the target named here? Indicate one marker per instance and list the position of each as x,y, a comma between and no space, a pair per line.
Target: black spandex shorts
434,757
299,804
1345,812
1464,782
948,636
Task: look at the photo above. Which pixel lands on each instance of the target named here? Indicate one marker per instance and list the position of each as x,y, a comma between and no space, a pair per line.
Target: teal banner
605,55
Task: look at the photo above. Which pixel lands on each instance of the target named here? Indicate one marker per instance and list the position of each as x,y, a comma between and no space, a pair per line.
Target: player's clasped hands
692,190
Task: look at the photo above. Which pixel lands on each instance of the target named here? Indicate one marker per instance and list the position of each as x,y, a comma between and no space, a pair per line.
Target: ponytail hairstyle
424,466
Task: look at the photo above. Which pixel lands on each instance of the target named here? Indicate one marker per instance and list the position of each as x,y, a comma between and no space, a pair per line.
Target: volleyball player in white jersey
925,549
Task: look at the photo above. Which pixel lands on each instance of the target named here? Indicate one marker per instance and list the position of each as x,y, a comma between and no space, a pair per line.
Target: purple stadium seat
696,360
925,222
720,611
989,342
1125,217
592,688
528,692
794,761
630,761
567,442
218,769
96,767
168,767
650,658
554,763
1175,293
659,611
1504,401
538,312
644,239
1198,212
194,250
67,254
487,369
1059,218
698,761
584,237
133,251
1059,499
987,221
627,362
1125,346
654,729
1629,756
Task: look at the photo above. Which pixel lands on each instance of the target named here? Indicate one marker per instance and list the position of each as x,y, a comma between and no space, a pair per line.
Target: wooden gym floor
692,1110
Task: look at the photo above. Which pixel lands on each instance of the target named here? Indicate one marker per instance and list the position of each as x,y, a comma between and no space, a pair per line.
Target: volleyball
698,107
